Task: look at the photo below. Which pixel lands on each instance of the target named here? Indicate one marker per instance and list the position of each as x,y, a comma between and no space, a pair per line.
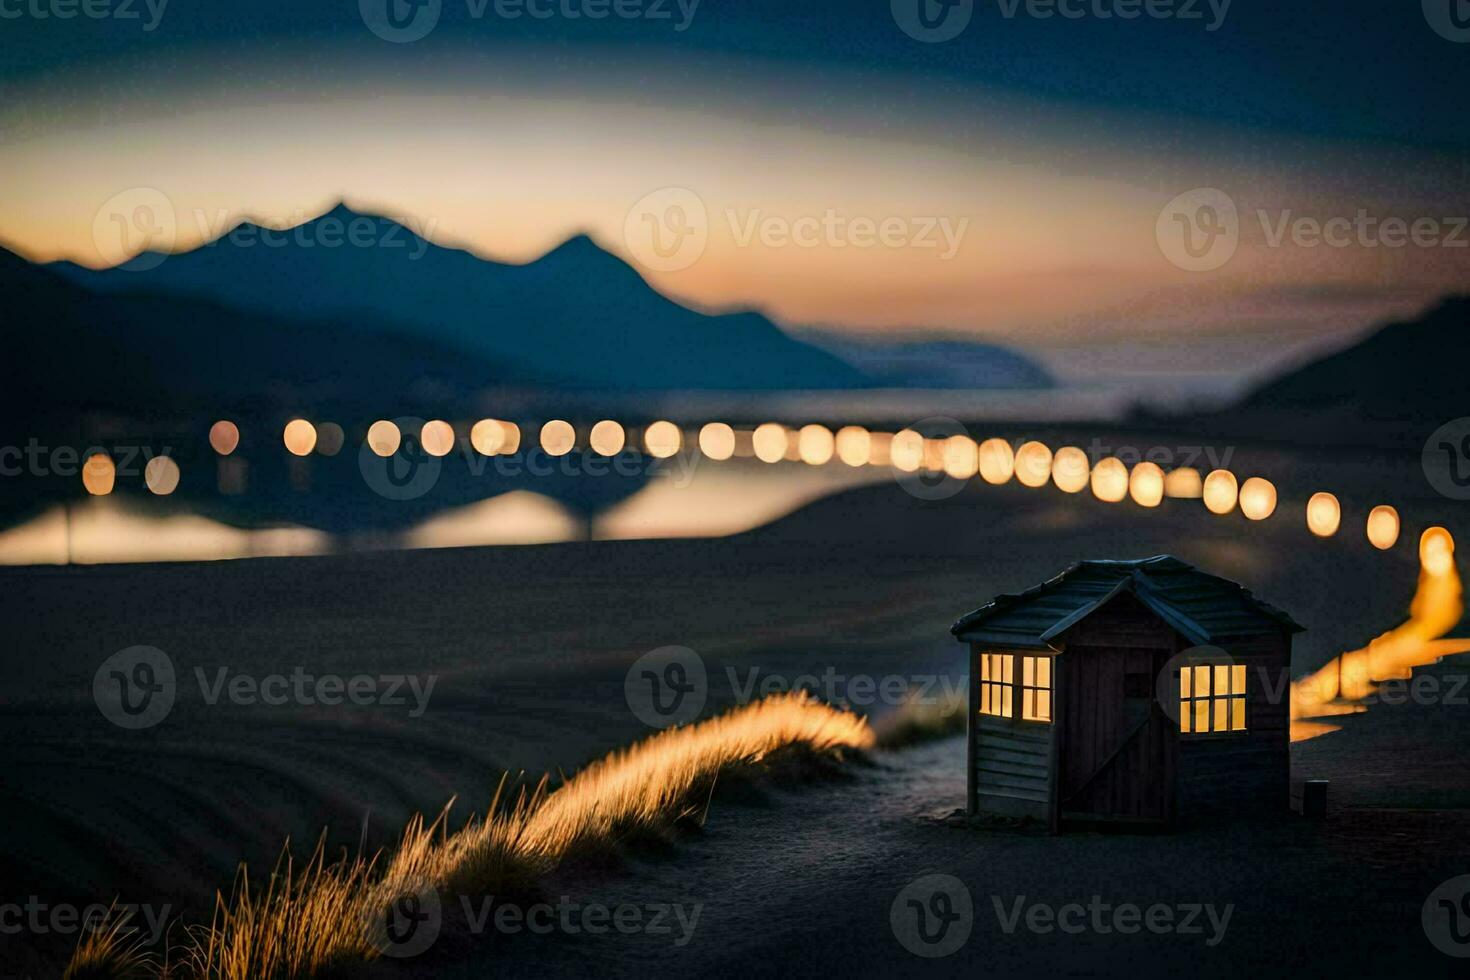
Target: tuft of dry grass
319,918
112,951
923,721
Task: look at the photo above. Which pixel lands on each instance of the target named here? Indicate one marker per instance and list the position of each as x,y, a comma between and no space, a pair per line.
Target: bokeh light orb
960,457
997,461
224,437
1220,492
607,438
329,438
488,436
1437,551
1257,498
1033,464
1184,484
437,437
1070,469
717,441
816,444
906,452
769,442
1324,514
662,440
558,437
383,438
1383,527
1146,484
299,437
510,434
1110,480
161,475
99,474
854,445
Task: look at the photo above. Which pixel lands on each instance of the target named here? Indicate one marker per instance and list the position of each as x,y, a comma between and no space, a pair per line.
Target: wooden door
1117,754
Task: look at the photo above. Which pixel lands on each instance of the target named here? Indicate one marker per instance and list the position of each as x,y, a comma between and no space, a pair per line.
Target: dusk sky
1020,167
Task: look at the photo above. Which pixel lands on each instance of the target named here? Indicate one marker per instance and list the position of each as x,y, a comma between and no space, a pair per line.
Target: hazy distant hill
1413,369
937,363
150,355
578,314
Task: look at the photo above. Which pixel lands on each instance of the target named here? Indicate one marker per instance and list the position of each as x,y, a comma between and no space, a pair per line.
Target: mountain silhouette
578,314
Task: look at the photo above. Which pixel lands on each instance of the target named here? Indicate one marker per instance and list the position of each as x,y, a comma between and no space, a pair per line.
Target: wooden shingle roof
1203,608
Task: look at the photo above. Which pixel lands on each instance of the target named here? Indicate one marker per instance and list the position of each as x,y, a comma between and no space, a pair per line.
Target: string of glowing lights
1340,687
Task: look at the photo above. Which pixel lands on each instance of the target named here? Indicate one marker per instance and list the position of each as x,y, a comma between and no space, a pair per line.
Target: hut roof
1203,608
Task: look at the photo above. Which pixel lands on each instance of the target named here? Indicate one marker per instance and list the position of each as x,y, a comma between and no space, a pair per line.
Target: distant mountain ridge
936,364
578,314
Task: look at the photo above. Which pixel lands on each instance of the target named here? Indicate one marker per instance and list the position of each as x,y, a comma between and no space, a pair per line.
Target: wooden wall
1010,762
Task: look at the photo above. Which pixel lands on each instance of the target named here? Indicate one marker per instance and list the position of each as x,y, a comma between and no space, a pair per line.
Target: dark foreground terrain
528,649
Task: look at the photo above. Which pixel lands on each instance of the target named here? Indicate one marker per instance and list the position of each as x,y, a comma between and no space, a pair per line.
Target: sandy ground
528,648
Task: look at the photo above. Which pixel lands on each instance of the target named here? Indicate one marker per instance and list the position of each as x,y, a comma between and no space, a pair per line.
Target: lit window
997,684
1212,698
1036,689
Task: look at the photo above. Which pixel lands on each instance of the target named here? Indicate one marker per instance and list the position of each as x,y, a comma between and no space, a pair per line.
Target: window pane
1008,662
1043,672
1043,705
1222,678
1237,714
1028,671
1185,676
1202,715
1237,679
1008,702
1028,704
1201,681
1222,716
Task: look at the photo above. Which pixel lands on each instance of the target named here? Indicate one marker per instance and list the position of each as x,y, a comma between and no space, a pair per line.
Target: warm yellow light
437,437
1184,483
1033,464
662,440
816,444
300,437
1383,527
997,461
1324,515
99,474
906,452
162,475
769,442
1110,480
1220,492
329,438
607,438
1437,551
383,438
511,433
1257,498
558,437
487,436
1070,470
224,437
1146,484
717,441
854,445
960,457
